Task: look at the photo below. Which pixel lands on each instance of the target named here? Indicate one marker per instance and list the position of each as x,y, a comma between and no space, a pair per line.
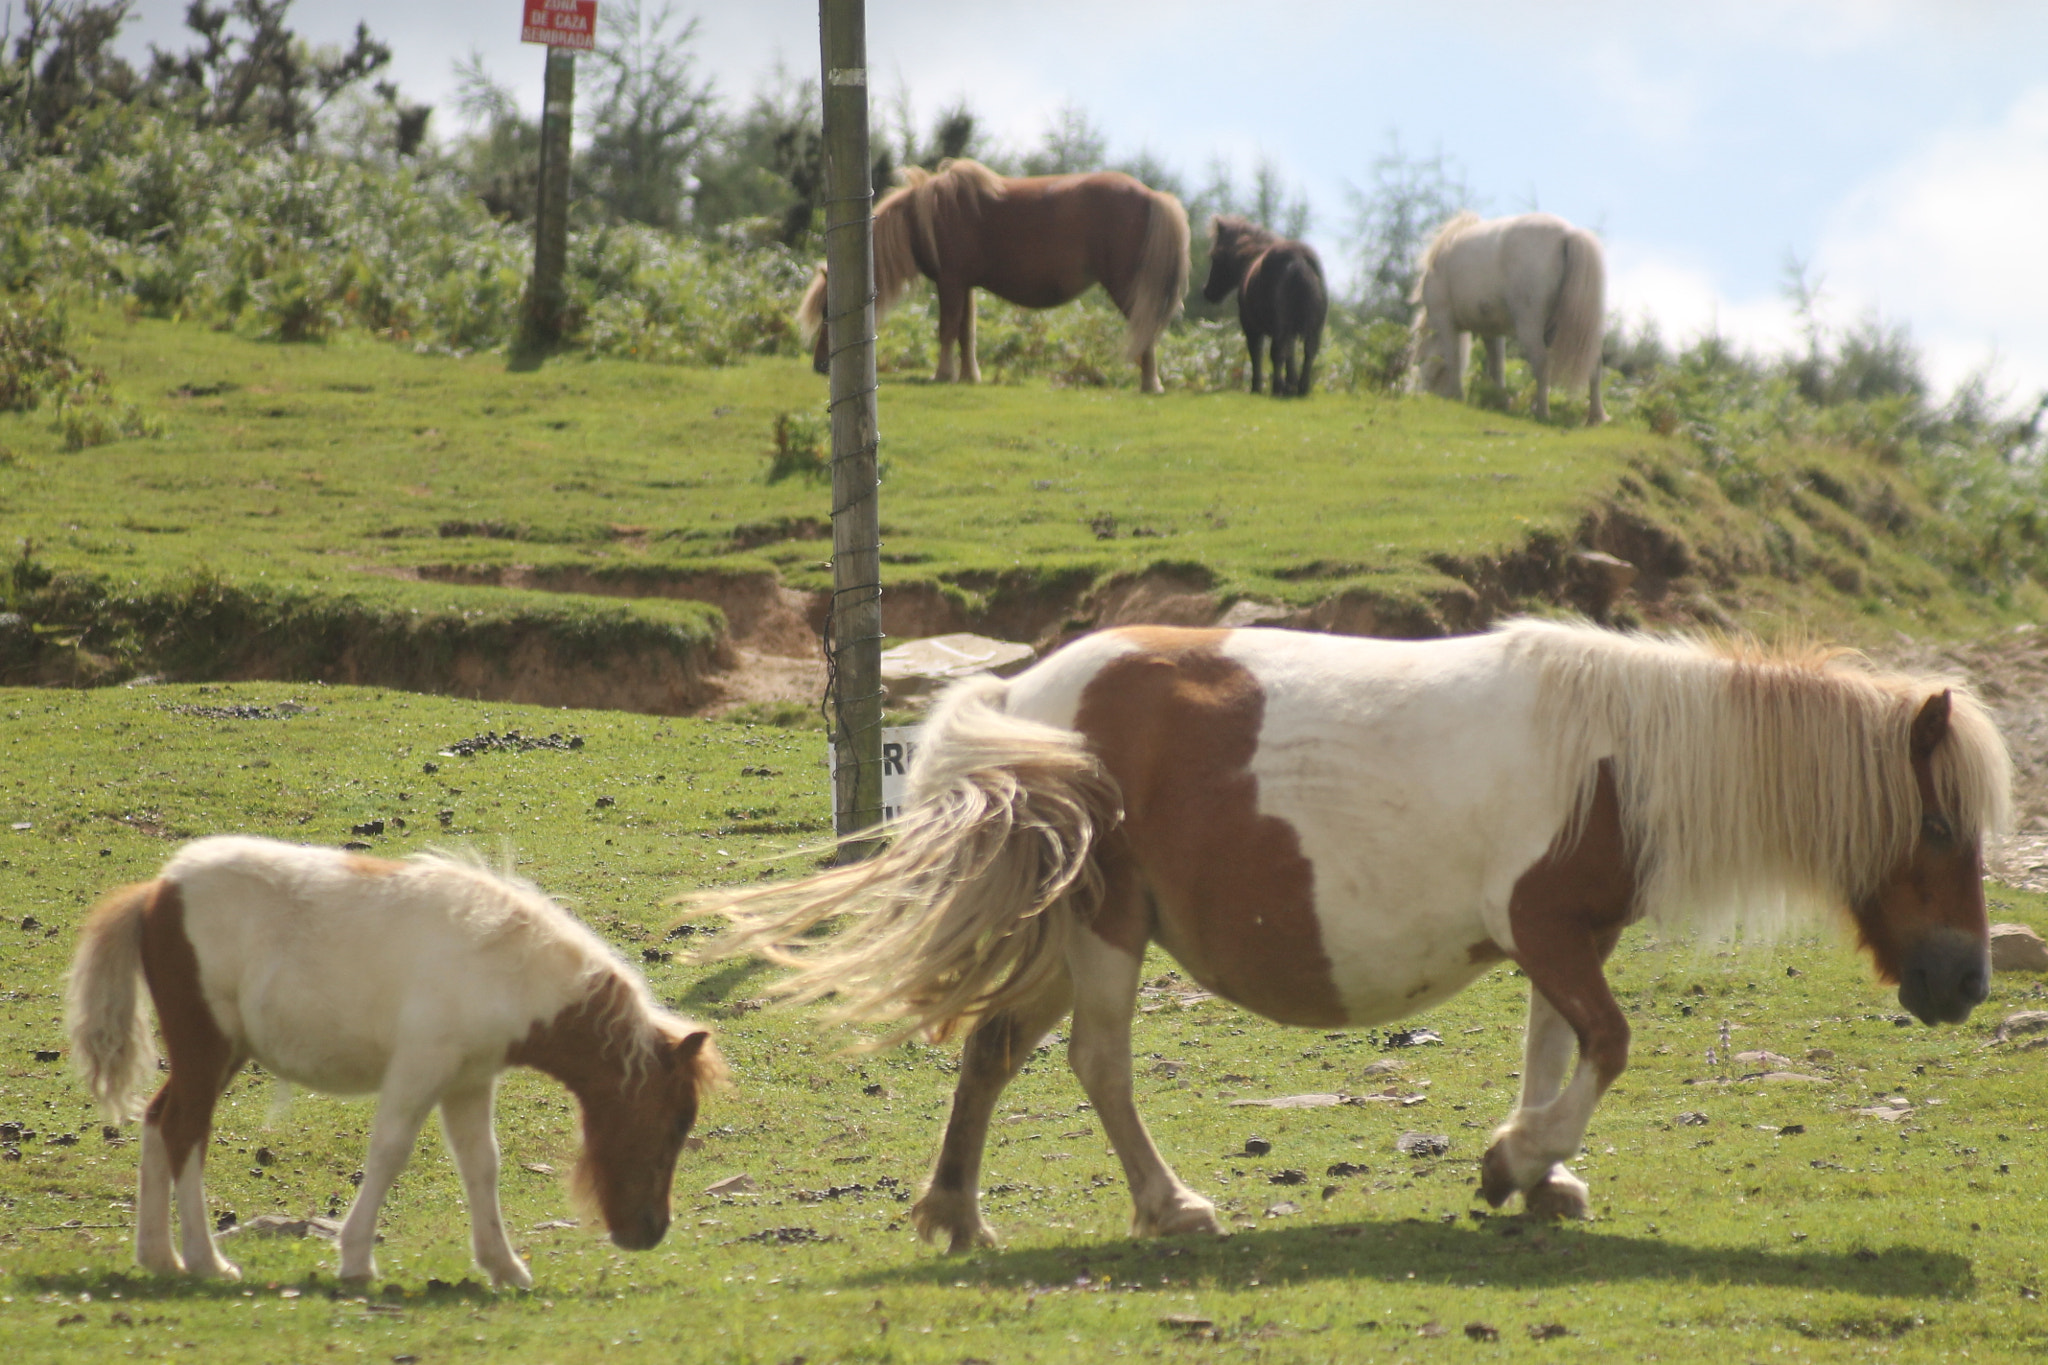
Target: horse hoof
1195,1215
1559,1195
1496,1180
515,1276
958,1219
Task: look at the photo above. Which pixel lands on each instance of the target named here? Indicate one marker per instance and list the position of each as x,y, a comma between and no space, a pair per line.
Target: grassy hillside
1737,1216
357,511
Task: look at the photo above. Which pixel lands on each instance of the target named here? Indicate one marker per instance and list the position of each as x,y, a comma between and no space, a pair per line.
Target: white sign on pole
899,747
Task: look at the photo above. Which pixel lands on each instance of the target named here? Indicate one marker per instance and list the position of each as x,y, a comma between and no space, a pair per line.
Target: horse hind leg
1105,993
949,1205
1285,376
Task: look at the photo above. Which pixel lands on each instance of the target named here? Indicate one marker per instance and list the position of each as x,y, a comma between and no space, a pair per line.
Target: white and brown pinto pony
1038,241
419,980
1337,832
1535,276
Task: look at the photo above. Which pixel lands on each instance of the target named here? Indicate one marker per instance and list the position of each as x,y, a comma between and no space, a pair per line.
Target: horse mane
914,217
497,903
1244,236
1459,223
1757,786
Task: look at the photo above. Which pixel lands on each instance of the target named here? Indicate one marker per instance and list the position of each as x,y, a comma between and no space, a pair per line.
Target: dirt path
2009,672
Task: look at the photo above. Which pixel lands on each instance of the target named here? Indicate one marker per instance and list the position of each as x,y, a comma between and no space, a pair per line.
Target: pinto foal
420,980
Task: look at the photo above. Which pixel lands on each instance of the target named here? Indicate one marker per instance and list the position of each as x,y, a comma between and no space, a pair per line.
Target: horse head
1231,248
1925,924
633,1134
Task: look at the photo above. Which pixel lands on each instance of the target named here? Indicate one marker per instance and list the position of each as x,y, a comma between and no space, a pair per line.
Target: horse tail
810,313
969,909
1580,318
110,1042
1162,277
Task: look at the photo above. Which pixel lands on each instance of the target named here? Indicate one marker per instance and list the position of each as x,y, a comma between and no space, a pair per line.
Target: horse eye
1935,829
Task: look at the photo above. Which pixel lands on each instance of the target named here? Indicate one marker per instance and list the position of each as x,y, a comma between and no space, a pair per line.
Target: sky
1897,149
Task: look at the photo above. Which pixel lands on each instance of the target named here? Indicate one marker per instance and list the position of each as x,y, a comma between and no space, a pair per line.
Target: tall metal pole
854,630
547,295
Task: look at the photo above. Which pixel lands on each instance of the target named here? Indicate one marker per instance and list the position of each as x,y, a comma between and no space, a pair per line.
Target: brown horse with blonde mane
1037,241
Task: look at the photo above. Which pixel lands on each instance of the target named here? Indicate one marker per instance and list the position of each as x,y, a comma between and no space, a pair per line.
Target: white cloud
1949,239
1654,102
1686,303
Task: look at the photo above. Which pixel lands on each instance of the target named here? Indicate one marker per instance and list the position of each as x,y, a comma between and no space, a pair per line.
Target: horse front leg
1256,344
970,360
1515,1161
1566,914
949,1205
412,1086
473,1142
1105,993
949,335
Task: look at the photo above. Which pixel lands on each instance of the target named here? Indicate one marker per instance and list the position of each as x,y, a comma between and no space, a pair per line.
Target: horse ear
1930,727
686,1048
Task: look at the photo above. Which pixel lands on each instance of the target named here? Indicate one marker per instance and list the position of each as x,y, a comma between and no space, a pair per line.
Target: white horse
420,980
1337,832
1534,275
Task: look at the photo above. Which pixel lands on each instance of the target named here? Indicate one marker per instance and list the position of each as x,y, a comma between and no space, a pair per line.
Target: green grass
1734,1240
404,487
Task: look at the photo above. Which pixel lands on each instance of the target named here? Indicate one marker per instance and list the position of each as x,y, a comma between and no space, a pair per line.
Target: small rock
1413,1037
1549,1331
1693,1118
537,1167
607,802
1481,1331
1344,1168
1188,1322
2019,1022
554,1224
367,828
1257,1146
1283,1208
48,1055
1422,1144
919,666
1290,1176
281,1225
2016,948
732,1184
1323,1101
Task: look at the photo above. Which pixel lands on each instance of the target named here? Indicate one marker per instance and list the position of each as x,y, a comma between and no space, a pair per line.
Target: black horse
1280,294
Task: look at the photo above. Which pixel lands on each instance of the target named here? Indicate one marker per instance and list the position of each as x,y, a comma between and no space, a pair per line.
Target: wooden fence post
854,630
548,295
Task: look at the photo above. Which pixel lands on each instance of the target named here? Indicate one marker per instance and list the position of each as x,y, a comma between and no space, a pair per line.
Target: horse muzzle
641,1232
1946,975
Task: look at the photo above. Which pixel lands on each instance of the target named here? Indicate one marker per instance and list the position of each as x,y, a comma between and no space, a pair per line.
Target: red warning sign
559,23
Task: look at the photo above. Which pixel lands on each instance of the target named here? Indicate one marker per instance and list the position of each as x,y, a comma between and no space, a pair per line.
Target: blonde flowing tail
1579,323
969,908
1162,276
110,1042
